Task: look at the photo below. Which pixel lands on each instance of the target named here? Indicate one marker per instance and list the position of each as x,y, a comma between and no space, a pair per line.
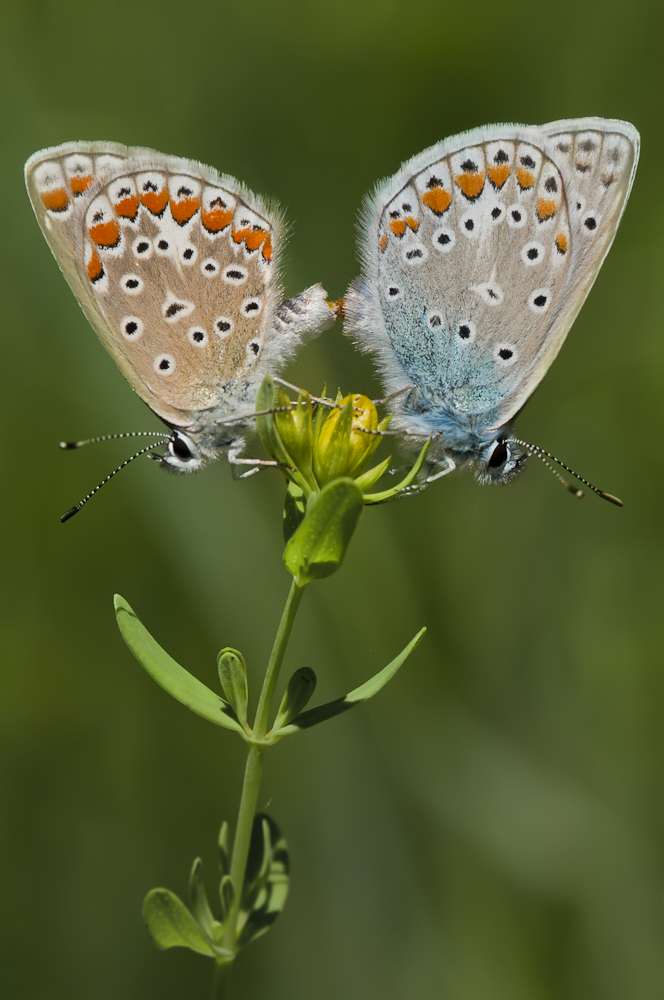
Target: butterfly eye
499,455
179,448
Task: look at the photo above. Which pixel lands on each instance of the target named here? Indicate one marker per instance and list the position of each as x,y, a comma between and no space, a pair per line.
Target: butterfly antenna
543,455
72,445
75,510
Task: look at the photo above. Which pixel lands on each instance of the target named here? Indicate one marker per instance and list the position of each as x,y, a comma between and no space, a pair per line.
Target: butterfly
176,266
477,257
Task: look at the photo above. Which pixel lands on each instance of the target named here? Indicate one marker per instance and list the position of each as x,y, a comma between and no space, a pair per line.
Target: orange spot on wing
80,183
127,207
240,234
546,207
183,210
561,243
470,184
105,234
383,242
398,227
56,200
498,175
525,178
155,201
216,218
255,238
412,223
267,248
437,199
95,267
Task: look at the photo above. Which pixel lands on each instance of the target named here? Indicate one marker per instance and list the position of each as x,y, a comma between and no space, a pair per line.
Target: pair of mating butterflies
477,256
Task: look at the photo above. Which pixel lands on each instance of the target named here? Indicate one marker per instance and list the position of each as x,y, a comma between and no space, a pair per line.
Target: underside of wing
477,256
174,265
597,158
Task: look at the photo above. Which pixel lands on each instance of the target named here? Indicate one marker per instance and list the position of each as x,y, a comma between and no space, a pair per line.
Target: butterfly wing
597,158
474,269
176,267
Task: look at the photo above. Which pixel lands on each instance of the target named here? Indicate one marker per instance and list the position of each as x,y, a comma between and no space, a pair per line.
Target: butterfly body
177,268
478,255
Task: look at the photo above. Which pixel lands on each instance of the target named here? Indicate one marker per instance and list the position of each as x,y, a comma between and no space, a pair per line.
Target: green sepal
300,688
266,881
171,925
331,462
179,683
294,509
233,678
367,690
318,546
295,427
268,399
269,427
372,498
371,476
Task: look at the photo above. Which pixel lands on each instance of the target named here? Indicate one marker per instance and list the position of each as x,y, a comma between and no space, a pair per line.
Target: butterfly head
500,462
182,454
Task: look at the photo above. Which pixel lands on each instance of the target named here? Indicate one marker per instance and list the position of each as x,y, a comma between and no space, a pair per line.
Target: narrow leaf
371,498
267,888
371,476
294,509
179,683
199,901
222,843
226,896
318,546
171,924
300,689
367,690
233,677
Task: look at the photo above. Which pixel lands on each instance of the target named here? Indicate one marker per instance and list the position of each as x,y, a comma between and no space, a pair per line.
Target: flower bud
346,439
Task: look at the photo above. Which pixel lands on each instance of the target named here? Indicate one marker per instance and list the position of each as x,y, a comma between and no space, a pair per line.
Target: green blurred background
491,826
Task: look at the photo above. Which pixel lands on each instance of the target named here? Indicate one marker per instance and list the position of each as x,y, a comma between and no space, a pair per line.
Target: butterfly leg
256,463
449,466
393,395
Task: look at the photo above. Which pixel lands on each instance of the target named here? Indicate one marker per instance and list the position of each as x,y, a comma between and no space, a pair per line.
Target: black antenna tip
579,494
611,498
68,445
70,513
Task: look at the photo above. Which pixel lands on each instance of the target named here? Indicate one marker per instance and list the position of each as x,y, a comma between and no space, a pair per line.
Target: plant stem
276,658
222,976
254,766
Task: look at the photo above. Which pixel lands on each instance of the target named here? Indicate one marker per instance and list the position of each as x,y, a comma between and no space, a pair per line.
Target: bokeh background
491,825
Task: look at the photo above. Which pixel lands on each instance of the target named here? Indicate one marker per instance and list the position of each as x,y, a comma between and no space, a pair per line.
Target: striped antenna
75,509
72,445
543,455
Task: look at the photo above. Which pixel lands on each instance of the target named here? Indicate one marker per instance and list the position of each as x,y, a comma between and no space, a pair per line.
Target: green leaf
372,498
171,924
300,688
318,546
233,677
179,683
367,690
266,881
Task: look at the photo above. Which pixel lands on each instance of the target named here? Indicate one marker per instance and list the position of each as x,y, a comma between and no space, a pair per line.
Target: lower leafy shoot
173,925
322,448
